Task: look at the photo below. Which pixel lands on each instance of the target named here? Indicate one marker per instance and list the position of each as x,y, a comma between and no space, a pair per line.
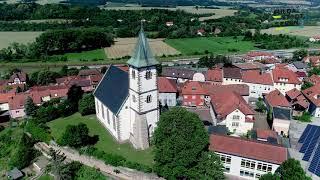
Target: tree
18,89
269,176
260,105
86,173
299,54
57,163
87,105
30,107
180,141
306,85
75,136
74,95
208,159
291,169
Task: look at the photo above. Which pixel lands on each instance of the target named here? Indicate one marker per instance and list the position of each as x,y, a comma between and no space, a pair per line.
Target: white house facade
169,99
236,122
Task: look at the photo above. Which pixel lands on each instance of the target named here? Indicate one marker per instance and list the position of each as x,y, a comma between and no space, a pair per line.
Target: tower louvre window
148,74
133,74
148,99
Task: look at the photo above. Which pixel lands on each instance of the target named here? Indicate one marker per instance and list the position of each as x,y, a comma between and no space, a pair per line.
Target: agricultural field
306,31
6,38
218,13
215,45
125,46
106,141
97,54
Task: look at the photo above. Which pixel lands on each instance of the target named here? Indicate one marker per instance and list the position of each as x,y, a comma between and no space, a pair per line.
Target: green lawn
215,45
46,177
98,54
106,141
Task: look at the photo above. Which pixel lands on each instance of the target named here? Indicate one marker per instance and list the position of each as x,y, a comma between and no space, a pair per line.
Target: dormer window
148,74
133,74
194,88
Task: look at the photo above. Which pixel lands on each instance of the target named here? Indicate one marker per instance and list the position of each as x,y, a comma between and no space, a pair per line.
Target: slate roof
281,113
15,173
183,73
142,56
113,89
300,65
232,72
248,148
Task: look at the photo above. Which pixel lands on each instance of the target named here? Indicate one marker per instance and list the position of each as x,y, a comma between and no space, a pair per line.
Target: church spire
142,55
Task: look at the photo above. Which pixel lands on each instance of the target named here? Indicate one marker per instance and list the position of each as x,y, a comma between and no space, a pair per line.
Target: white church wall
123,117
147,106
148,84
152,119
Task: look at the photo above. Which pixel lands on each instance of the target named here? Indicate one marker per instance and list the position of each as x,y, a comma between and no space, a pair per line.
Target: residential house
241,89
301,75
214,76
276,99
313,96
267,135
201,32
297,101
167,91
232,75
86,73
314,61
193,94
16,105
298,66
230,109
199,76
4,101
285,80
86,84
259,83
248,159
178,73
281,120
249,66
258,56
15,174
314,79
18,78
314,39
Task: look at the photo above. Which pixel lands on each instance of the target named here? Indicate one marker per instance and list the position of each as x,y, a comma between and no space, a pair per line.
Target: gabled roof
4,97
88,72
241,89
225,102
313,94
193,88
284,75
248,148
258,53
293,93
20,75
300,65
232,72
314,79
17,101
250,66
176,72
113,89
214,75
142,56
256,77
266,133
276,98
166,85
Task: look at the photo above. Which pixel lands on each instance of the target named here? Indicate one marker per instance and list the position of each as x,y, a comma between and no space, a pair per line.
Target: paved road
73,155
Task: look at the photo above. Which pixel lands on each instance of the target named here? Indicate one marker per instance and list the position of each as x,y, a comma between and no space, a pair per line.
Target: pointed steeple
142,55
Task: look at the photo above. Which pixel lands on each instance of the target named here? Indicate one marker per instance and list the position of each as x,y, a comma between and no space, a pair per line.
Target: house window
108,117
114,122
248,164
193,97
148,74
148,99
225,159
102,111
264,167
235,124
186,97
227,169
133,74
134,98
236,117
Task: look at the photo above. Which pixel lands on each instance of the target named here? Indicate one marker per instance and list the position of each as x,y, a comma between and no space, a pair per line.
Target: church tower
143,93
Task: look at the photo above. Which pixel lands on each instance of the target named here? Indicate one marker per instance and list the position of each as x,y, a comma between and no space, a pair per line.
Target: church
127,102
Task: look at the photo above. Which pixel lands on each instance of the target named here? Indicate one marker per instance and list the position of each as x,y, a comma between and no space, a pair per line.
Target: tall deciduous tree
299,54
86,105
75,136
291,169
30,107
181,145
74,95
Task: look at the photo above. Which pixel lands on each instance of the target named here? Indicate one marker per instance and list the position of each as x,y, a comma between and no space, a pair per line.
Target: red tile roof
270,61
283,75
248,148
241,89
17,101
257,77
293,93
301,74
89,72
225,102
276,98
313,94
166,85
193,88
314,79
265,133
313,60
4,97
215,75
256,54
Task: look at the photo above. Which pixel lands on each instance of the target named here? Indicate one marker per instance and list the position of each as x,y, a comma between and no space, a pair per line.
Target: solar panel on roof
305,133
307,141
311,145
315,162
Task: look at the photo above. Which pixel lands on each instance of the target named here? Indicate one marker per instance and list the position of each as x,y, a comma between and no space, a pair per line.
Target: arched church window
149,99
134,98
133,74
148,74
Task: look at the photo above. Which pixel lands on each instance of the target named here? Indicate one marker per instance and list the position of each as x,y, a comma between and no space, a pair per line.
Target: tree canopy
181,147
87,105
291,169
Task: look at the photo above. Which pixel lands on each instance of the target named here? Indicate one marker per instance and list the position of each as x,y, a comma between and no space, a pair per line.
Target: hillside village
252,109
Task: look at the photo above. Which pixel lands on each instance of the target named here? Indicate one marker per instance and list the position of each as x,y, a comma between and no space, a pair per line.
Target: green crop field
97,54
215,45
106,142
6,38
